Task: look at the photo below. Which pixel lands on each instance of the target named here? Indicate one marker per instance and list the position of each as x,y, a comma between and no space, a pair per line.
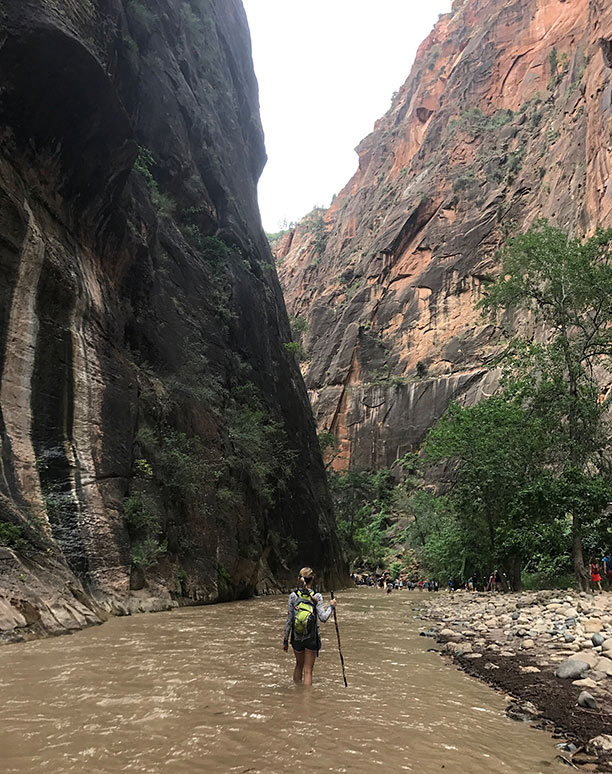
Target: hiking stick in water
339,646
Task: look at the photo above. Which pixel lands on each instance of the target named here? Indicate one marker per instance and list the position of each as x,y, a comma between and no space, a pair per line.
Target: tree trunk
419,530
514,573
580,571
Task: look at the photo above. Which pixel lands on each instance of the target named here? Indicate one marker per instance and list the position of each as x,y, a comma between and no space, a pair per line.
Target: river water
209,689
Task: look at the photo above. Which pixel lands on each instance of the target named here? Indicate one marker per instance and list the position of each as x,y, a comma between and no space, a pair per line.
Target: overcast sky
326,72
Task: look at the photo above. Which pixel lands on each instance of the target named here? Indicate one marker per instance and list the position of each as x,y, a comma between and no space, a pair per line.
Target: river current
209,689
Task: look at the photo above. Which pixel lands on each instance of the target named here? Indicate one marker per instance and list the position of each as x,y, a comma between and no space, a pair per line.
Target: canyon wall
506,118
156,442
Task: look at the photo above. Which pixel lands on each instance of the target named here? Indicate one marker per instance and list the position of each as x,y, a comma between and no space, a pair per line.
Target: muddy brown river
209,689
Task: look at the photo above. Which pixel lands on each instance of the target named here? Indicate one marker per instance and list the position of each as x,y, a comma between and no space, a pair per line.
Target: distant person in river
305,610
607,570
595,575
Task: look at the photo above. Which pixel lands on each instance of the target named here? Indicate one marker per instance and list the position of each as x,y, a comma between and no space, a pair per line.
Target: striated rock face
149,409
505,118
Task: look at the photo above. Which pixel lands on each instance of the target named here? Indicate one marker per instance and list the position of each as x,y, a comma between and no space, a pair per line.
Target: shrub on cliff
147,553
261,454
144,164
141,15
314,223
12,536
363,501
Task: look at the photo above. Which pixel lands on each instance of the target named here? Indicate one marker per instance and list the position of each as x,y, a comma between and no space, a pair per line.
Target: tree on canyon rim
564,285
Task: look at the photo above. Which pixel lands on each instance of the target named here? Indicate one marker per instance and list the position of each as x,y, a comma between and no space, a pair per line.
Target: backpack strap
307,596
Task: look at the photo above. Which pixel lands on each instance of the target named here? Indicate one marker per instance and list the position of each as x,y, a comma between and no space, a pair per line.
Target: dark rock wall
147,403
504,119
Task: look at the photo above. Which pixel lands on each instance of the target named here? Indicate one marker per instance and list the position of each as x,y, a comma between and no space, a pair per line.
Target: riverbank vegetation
523,479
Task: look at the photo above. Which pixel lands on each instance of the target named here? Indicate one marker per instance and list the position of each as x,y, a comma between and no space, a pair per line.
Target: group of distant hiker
596,573
306,607
492,582
385,582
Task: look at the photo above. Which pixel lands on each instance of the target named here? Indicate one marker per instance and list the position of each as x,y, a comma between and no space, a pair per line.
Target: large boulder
590,657
572,669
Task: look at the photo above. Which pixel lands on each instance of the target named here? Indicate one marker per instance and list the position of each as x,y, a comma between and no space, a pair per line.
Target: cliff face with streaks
156,443
505,118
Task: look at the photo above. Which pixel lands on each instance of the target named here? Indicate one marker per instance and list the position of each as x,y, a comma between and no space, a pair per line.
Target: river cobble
549,650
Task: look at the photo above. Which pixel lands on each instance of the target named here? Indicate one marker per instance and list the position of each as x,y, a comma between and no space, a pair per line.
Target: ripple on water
209,689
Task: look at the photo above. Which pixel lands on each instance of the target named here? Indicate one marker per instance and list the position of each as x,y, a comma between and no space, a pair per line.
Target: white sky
326,71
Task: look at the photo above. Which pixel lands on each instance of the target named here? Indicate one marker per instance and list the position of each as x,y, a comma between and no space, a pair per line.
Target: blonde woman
305,611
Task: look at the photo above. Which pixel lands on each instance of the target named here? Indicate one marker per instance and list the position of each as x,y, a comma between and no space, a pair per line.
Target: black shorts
311,644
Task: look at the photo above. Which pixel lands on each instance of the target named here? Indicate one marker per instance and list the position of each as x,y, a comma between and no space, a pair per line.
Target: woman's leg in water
309,660
299,666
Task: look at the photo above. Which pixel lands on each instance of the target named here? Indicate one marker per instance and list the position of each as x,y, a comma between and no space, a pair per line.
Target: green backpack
305,623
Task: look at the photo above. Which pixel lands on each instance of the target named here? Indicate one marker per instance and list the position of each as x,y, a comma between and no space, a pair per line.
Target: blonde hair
306,574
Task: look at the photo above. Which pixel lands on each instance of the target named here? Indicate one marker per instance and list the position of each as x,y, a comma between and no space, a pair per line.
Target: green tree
564,284
363,502
494,454
395,569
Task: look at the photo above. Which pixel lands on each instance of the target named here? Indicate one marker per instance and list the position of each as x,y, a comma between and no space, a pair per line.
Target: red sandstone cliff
506,117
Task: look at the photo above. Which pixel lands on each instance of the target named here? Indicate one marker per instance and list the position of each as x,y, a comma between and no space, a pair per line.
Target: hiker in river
305,610
607,570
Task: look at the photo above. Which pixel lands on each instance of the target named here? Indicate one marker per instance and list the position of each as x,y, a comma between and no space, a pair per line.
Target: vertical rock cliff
505,118
156,438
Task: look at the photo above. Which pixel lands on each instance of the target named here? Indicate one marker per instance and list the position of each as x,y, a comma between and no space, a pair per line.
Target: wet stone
522,710
592,625
599,744
595,674
589,657
586,682
586,700
605,665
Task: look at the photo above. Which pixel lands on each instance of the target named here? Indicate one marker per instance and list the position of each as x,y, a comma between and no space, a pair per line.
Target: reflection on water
209,690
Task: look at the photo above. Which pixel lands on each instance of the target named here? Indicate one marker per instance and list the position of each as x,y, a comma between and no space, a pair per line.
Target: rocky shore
551,652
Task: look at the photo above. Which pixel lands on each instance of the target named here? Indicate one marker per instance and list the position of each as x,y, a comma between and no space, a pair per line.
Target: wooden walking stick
339,646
